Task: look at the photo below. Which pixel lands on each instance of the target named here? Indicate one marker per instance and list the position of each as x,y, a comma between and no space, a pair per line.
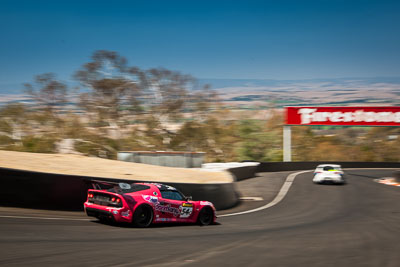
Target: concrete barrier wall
41,190
242,173
294,166
68,192
239,170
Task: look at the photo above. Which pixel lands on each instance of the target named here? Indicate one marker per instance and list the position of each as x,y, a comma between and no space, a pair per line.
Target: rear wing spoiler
97,184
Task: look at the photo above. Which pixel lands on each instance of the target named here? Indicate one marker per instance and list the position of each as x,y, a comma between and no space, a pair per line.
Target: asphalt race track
314,225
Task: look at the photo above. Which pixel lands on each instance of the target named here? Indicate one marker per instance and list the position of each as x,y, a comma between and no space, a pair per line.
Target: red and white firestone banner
361,116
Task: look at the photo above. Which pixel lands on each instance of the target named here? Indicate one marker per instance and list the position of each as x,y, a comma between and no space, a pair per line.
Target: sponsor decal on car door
174,210
167,209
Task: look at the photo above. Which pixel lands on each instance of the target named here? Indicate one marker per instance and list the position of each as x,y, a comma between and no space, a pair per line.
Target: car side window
170,194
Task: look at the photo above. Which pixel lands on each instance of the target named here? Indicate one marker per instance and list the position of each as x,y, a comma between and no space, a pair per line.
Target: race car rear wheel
206,216
143,216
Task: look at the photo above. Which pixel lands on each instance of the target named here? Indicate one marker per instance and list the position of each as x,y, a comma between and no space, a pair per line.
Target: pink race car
145,203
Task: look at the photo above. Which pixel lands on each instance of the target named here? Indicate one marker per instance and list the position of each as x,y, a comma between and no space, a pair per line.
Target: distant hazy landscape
241,93
350,91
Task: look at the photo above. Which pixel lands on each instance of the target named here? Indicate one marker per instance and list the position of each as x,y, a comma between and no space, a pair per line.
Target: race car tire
206,216
143,216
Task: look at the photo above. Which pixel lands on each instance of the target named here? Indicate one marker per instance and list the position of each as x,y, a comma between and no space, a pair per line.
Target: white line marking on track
252,198
42,218
282,193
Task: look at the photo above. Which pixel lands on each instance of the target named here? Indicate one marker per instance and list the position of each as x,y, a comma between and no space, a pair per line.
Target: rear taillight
102,199
115,200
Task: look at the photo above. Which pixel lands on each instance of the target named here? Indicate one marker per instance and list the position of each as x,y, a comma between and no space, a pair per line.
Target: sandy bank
91,166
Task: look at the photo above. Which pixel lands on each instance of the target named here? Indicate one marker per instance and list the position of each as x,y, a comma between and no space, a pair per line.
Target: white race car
329,173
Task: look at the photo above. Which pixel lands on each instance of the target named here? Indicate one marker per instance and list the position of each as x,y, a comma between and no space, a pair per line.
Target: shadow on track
159,225
363,175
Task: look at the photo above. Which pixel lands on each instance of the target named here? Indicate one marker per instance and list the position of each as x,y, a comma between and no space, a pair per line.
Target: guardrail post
287,146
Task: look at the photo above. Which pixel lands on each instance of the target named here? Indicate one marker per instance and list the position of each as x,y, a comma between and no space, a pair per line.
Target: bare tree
48,92
114,87
167,93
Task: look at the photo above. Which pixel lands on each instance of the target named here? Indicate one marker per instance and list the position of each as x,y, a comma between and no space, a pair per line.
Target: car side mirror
189,198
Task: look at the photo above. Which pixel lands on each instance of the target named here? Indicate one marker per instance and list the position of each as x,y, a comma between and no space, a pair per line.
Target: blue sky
208,39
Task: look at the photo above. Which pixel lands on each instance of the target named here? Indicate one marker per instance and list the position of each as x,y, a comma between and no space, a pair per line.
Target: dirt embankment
91,166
